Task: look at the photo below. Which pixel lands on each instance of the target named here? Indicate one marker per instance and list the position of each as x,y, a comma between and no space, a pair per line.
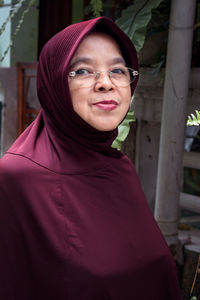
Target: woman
74,221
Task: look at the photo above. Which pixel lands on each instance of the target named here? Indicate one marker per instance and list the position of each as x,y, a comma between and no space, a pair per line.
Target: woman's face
103,105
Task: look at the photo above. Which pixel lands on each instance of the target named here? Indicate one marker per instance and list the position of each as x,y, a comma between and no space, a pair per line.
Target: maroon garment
74,223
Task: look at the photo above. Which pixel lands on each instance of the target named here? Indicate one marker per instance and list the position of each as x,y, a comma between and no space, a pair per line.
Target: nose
103,82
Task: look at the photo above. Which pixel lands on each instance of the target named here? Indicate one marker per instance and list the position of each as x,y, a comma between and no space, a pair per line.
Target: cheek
79,102
127,97
74,97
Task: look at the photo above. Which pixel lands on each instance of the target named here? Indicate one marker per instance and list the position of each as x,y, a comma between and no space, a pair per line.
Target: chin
107,129
104,127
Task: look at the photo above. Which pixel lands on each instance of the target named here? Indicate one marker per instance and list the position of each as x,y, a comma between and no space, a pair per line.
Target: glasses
121,77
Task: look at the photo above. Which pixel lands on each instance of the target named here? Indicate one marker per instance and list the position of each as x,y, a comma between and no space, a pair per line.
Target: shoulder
21,178
18,169
11,169
13,165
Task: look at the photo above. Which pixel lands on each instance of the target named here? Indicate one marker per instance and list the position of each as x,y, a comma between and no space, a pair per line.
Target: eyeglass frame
135,73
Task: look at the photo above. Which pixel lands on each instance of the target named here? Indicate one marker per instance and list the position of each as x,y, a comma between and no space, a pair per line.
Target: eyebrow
117,60
79,60
88,60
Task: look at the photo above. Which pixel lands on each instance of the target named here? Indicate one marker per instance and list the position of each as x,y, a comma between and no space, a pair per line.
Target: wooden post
169,178
21,104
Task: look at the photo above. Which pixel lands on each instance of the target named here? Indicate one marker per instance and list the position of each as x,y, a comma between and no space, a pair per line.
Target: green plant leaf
133,22
96,7
135,18
198,114
194,120
123,130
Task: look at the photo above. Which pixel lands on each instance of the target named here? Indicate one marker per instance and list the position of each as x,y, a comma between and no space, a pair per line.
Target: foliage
135,18
123,130
133,22
162,14
159,24
11,15
96,7
77,11
18,27
194,120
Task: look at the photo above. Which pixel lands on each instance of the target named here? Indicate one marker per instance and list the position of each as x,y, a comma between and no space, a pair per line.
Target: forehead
98,43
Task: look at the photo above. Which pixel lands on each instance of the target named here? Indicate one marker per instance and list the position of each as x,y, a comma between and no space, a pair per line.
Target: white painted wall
24,49
25,44
5,36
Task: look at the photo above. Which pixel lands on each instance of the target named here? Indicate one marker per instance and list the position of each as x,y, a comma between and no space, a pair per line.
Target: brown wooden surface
25,114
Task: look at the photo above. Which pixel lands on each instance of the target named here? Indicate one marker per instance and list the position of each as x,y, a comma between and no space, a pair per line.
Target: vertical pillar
169,181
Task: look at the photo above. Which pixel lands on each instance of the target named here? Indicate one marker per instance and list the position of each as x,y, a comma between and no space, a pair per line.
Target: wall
5,36
25,45
8,86
148,109
24,49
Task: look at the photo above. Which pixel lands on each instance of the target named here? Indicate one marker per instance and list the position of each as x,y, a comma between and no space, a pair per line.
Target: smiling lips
107,104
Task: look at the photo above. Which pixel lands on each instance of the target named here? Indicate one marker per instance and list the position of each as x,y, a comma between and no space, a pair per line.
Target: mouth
107,104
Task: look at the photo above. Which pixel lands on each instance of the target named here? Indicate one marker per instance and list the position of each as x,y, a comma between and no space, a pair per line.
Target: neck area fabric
59,139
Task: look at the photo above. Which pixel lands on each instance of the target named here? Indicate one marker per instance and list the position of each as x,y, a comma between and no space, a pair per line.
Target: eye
82,72
119,71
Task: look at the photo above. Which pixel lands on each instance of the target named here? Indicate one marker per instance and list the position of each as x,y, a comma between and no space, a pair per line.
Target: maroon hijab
74,222
58,137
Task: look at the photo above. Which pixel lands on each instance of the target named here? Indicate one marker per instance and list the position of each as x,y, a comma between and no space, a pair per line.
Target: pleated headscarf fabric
58,128
74,222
